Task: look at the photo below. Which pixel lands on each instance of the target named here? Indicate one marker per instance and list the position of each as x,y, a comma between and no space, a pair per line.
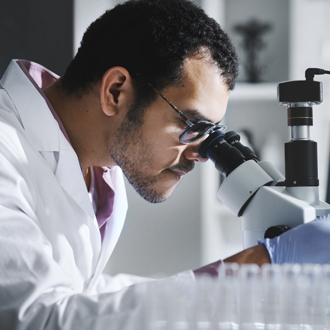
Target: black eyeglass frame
208,127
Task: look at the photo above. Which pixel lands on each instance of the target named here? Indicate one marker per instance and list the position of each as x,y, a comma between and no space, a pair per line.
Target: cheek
162,124
163,152
160,142
163,138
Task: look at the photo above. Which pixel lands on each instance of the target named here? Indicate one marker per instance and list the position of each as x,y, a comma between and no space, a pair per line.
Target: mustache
183,167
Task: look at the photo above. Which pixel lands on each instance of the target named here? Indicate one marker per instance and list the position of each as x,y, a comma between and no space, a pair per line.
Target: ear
116,92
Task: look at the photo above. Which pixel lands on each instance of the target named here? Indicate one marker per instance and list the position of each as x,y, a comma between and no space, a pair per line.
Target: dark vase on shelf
252,43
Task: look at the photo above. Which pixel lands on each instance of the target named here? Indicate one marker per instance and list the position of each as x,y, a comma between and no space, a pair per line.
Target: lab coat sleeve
107,283
35,292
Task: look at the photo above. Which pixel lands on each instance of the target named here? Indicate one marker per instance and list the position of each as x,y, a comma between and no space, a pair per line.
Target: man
64,142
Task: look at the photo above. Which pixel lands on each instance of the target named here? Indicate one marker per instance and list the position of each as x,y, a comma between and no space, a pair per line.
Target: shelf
251,92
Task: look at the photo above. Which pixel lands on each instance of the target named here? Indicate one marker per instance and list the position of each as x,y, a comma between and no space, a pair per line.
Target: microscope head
303,92
308,92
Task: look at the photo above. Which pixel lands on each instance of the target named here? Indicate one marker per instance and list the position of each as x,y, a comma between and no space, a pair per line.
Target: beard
132,153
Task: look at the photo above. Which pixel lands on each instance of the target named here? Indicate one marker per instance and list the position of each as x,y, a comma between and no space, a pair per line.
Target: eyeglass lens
191,134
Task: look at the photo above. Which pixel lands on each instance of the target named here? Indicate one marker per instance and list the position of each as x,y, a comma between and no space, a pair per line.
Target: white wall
85,12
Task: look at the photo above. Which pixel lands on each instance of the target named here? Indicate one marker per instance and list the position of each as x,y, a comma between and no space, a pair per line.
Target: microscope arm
250,192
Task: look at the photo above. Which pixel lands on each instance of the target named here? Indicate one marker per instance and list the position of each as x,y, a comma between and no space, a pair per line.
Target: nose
191,152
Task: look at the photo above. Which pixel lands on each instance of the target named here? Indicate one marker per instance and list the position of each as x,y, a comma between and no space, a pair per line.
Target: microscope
267,202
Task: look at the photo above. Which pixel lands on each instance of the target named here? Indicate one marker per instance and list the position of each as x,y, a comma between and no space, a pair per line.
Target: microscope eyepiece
234,139
224,155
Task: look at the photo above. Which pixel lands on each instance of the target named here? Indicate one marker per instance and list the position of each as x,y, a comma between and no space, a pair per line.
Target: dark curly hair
151,38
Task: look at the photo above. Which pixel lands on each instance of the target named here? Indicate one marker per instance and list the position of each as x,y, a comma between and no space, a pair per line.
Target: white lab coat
51,255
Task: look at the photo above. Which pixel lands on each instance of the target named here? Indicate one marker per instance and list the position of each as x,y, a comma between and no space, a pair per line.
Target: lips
179,172
182,169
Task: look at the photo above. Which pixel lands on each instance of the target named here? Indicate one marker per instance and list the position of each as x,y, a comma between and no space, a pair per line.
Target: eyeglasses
194,130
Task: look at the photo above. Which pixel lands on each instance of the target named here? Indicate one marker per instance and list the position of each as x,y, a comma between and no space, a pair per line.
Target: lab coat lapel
69,175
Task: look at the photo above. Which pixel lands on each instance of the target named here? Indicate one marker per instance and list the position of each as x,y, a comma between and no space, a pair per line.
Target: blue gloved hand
307,243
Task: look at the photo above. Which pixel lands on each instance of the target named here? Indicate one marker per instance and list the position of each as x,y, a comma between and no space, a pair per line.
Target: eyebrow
196,115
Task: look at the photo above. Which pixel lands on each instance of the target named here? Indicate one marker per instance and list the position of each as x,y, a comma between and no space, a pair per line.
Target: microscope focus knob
274,231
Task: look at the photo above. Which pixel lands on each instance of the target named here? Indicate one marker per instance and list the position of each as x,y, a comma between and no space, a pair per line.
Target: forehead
202,91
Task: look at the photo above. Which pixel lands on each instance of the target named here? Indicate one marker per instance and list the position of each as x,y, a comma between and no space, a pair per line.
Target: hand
307,243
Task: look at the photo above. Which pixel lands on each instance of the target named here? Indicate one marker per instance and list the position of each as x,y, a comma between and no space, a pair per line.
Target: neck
80,117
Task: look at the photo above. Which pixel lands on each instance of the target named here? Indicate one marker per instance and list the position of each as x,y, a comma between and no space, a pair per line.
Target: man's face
151,155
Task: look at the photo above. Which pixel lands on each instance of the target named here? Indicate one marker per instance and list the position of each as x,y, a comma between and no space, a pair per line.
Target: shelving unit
254,107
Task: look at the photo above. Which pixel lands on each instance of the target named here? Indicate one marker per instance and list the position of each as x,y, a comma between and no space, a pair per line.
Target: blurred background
276,41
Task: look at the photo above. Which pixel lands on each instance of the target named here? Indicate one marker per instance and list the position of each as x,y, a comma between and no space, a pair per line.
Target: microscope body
267,202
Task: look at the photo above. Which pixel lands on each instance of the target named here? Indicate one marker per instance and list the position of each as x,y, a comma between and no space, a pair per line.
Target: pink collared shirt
101,187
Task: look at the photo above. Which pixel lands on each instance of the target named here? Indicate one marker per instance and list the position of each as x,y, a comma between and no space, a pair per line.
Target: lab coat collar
43,132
